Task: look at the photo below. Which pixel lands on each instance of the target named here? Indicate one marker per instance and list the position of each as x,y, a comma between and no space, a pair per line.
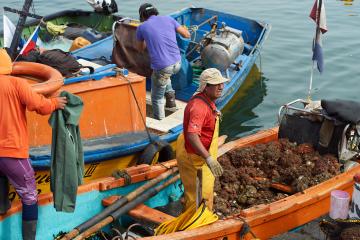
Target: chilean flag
319,20
321,23
31,42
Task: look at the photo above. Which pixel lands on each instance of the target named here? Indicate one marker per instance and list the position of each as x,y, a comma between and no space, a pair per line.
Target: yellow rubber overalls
189,163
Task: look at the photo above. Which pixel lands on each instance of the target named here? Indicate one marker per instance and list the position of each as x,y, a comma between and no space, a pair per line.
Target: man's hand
141,45
62,101
214,166
183,31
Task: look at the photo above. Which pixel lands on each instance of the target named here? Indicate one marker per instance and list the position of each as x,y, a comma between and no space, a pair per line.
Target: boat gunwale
103,83
140,173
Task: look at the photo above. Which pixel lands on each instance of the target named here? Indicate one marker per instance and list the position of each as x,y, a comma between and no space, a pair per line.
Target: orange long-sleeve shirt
16,96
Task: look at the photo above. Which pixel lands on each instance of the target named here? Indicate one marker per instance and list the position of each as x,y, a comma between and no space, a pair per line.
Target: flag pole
19,28
317,34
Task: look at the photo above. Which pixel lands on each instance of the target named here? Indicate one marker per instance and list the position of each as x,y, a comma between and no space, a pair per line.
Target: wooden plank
142,175
261,137
222,140
145,213
141,212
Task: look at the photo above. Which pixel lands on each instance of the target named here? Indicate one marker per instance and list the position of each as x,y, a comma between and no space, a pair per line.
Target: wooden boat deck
170,121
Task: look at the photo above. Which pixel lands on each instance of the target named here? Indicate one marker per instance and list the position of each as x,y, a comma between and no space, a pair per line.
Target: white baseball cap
210,76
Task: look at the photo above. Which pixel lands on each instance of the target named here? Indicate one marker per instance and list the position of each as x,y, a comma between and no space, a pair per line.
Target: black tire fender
160,147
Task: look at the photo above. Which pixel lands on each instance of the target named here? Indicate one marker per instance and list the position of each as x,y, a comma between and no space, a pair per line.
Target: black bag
64,62
32,56
302,129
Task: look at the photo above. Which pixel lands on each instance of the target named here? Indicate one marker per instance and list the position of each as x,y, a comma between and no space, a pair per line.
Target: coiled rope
190,219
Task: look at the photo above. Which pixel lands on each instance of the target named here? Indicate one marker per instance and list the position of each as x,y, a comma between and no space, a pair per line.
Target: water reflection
240,109
347,2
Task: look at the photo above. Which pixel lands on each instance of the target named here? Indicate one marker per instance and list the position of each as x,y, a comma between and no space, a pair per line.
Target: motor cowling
222,48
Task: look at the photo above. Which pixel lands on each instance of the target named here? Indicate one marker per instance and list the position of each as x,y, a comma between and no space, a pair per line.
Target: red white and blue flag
31,42
319,16
319,20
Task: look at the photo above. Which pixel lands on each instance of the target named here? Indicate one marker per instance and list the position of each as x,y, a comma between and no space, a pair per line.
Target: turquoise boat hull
88,204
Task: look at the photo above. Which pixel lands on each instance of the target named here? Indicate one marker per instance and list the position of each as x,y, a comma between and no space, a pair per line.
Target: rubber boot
29,221
4,195
170,101
29,229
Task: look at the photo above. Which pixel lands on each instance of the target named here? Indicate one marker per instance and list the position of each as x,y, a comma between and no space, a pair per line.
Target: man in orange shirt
16,96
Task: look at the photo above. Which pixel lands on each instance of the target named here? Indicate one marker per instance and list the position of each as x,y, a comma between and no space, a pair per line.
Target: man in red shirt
197,146
16,96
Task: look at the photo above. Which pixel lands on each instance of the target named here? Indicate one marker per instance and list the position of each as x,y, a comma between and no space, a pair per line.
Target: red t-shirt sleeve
197,115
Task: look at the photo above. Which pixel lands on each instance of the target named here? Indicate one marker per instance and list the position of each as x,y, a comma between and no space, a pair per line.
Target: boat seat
141,212
170,121
85,62
90,146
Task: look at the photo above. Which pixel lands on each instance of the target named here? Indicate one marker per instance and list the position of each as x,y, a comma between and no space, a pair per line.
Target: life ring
157,151
50,79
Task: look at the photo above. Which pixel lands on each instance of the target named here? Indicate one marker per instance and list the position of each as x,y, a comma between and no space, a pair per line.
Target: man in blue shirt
158,34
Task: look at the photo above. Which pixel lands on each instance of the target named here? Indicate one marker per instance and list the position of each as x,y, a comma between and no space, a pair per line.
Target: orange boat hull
268,220
109,109
265,220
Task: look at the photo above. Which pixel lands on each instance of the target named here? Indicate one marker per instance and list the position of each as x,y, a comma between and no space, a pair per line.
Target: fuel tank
222,48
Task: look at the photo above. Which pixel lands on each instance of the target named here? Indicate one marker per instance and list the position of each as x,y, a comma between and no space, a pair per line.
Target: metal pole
317,34
311,80
23,13
19,28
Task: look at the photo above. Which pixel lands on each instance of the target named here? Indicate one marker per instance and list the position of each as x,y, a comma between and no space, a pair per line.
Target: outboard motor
221,48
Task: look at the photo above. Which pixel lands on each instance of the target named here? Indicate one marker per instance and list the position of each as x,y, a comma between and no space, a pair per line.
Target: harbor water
282,72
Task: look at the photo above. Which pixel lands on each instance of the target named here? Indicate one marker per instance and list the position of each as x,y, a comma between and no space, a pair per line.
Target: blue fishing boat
228,42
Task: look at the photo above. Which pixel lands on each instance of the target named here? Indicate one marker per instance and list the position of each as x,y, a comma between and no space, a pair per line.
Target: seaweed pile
268,172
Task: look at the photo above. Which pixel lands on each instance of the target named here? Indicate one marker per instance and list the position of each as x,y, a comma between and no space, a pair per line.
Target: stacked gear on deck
80,34
62,61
